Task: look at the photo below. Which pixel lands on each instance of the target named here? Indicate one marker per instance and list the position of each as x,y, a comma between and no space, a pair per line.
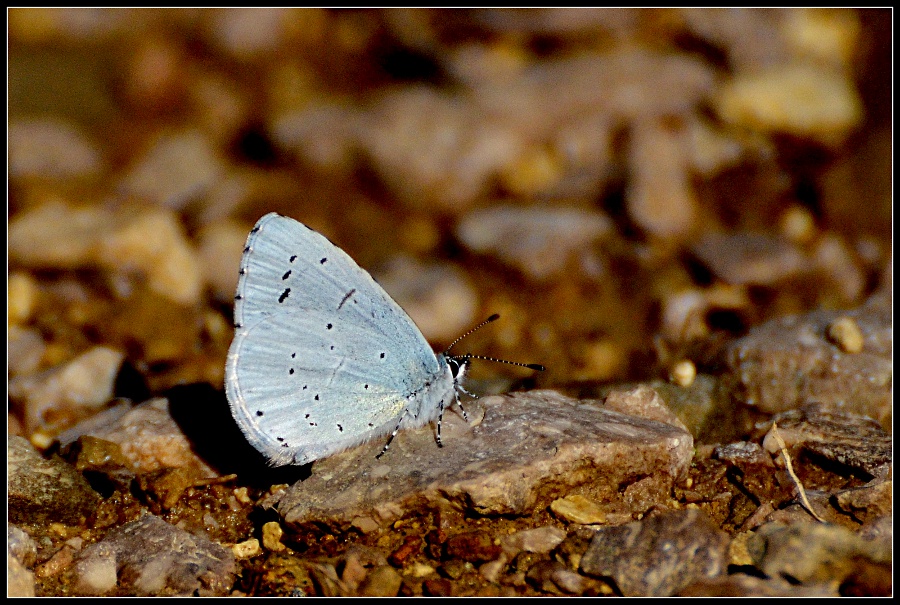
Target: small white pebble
683,373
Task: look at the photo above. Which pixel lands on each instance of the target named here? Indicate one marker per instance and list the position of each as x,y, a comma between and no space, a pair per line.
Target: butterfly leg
459,388
462,409
440,418
391,438
463,389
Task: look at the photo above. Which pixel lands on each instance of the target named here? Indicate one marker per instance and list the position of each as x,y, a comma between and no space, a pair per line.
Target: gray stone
789,361
749,258
382,581
528,448
21,545
854,441
659,555
21,554
150,557
44,491
149,437
538,240
539,540
816,553
742,585
19,579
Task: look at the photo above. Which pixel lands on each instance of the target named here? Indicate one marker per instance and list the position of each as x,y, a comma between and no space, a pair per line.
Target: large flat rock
518,453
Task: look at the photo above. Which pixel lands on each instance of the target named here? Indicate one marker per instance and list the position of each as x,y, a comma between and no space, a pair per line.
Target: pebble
322,134
554,577
660,196
96,574
795,98
749,258
473,547
845,333
246,549
71,390
683,373
154,243
20,545
51,148
383,581
848,439
787,362
57,235
59,562
815,553
154,558
539,241
43,491
21,297
434,150
537,540
412,545
148,436
659,555
271,535
176,170
26,349
833,257
575,508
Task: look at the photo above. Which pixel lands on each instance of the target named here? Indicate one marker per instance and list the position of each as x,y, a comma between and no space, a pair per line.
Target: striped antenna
530,366
465,358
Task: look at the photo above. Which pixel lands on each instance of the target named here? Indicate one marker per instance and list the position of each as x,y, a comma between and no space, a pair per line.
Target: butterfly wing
322,358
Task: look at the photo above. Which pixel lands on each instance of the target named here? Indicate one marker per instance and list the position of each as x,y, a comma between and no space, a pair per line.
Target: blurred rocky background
694,201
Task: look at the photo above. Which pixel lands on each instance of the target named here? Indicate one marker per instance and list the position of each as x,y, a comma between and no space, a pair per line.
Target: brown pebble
473,546
57,563
437,587
411,546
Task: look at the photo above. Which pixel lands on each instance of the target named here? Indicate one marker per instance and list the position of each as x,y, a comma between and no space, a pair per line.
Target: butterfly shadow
203,415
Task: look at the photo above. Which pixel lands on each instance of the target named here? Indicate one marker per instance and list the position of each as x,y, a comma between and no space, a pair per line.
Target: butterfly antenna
493,317
468,356
530,366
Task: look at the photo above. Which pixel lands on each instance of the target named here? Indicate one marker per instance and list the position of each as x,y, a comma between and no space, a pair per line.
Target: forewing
322,359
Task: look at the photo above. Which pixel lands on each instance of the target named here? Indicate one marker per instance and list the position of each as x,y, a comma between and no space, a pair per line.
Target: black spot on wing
286,275
284,295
